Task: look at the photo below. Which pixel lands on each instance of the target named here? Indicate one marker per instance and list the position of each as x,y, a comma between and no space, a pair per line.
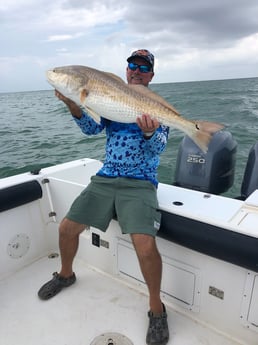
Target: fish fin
84,93
145,91
93,114
204,132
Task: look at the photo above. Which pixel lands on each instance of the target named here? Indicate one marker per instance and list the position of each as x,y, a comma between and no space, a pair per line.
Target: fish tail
204,132
209,127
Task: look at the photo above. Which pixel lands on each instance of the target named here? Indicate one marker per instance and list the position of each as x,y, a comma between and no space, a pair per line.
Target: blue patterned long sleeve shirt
128,153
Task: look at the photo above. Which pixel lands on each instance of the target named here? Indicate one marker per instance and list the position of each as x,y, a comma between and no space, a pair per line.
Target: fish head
68,80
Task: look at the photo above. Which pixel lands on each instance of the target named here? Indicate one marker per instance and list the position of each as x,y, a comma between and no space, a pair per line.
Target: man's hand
73,107
147,125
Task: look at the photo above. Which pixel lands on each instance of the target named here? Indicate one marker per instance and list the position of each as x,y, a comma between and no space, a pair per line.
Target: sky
191,39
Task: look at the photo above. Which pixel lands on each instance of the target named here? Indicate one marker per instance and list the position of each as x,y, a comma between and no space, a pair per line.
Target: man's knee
145,245
69,228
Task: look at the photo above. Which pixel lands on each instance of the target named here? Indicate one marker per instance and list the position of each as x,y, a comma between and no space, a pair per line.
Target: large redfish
105,94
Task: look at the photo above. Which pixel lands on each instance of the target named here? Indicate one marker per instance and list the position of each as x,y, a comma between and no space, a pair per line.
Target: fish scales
106,95
128,101
129,104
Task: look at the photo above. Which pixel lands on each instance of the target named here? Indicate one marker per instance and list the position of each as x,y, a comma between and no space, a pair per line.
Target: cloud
191,40
203,21
66,37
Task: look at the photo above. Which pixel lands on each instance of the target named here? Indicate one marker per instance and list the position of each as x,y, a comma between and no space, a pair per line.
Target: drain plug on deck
111,339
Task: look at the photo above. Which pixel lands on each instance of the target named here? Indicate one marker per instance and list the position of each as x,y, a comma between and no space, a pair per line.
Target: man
132,158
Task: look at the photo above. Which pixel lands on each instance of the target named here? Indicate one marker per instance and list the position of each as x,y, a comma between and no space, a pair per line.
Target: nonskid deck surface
95,304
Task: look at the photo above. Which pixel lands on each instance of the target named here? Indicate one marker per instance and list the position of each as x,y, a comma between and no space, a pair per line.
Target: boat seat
230,246
19,194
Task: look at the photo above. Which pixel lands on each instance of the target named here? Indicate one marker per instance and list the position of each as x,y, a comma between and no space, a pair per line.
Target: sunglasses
143,68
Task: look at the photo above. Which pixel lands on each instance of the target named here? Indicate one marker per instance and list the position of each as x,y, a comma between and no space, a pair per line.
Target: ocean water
36,129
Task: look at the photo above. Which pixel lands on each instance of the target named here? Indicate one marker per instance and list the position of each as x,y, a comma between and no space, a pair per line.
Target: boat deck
95,304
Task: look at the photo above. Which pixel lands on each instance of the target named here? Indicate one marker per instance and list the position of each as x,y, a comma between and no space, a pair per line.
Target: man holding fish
126,185
124,188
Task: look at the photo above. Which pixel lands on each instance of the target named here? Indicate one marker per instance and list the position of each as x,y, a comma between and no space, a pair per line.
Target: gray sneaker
158,333
55,285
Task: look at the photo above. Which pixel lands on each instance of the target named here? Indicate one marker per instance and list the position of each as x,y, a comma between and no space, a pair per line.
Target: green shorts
132,202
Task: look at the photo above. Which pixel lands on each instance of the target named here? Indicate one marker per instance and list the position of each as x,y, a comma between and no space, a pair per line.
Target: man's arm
83,120
147,125
74,109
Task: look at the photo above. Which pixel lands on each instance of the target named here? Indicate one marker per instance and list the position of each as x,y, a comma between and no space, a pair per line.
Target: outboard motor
250,179
212,172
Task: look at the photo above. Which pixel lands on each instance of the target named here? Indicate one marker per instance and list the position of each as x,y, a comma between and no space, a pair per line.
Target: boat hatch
111,339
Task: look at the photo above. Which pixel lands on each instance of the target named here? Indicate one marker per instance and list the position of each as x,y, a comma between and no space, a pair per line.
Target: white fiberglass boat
209,248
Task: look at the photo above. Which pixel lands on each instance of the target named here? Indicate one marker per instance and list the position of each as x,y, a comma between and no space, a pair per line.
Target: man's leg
151,267
69,232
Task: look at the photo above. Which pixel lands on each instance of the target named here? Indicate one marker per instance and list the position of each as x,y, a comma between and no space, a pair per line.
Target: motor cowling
211,172
250,179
